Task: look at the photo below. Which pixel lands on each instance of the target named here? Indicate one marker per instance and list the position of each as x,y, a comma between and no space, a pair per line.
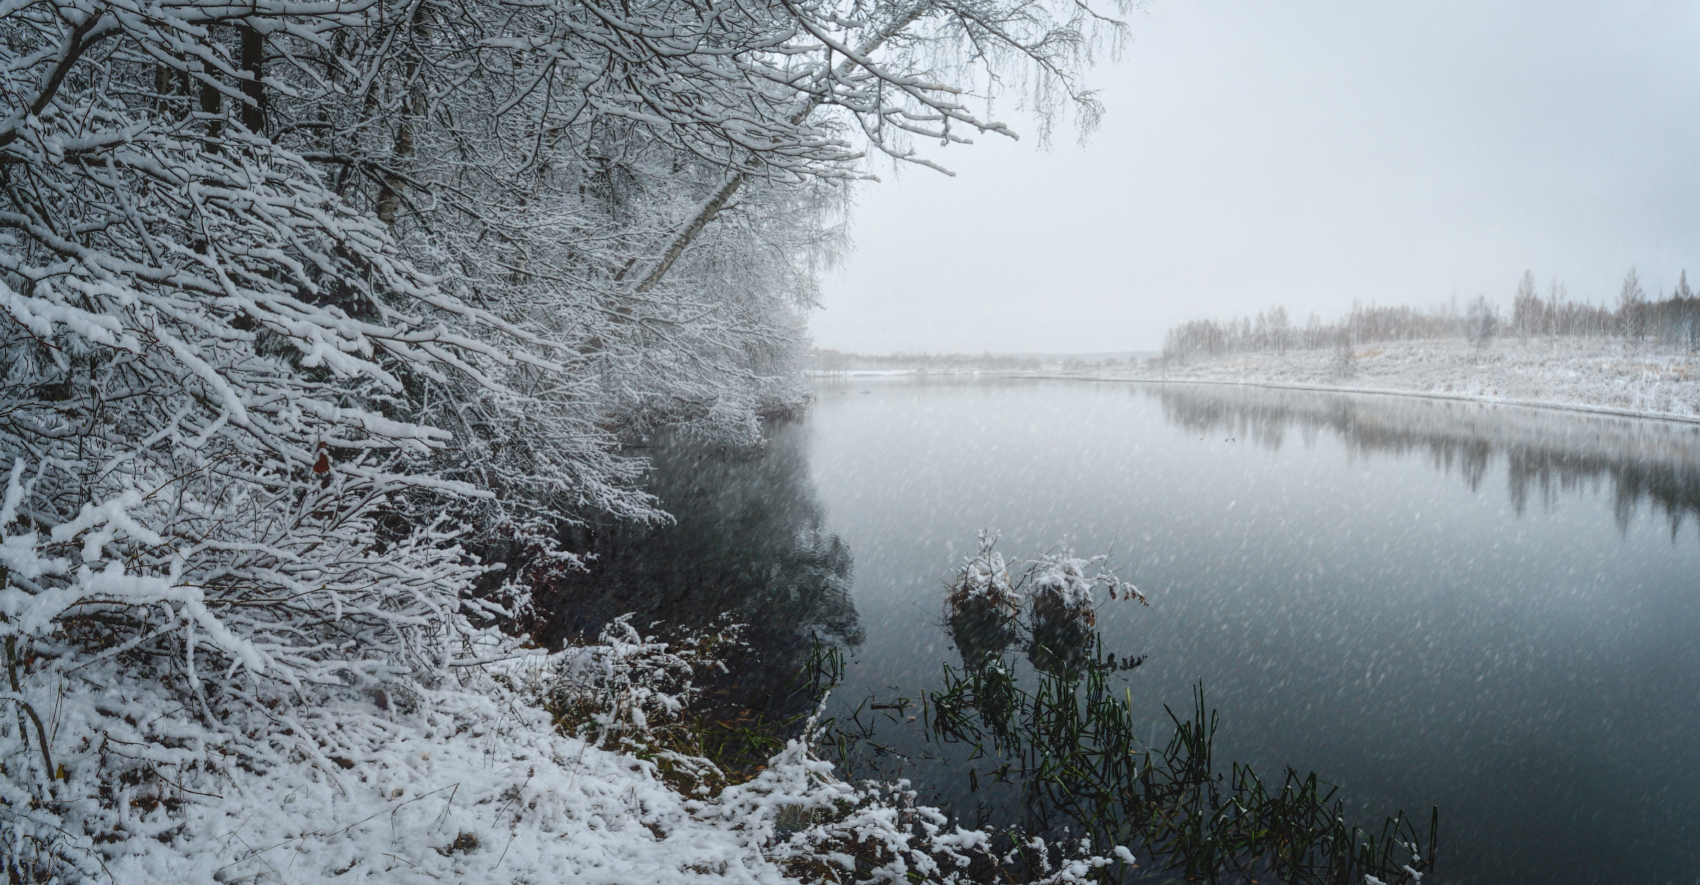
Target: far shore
1597,375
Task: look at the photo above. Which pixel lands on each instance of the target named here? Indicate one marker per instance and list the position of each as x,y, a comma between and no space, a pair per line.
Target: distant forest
1673,320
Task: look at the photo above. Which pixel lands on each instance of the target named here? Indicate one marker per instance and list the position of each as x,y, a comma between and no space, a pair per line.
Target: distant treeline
1673,321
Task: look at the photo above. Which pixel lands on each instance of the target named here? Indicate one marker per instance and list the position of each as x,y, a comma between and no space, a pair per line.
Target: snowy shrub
984,580
628,692
631,692
1058,576
822,830
1067,583
984,604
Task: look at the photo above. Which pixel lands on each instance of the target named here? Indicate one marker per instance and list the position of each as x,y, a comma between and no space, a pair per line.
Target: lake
1494,610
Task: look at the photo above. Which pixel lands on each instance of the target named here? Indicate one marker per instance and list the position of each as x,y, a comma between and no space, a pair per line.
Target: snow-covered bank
477,793
469,781
1594,374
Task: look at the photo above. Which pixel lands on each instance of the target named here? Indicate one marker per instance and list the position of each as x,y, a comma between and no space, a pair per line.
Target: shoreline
1586,376
1552,405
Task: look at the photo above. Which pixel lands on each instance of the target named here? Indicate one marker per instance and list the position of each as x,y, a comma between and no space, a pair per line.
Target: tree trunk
714,204
412,106
212,104
253,64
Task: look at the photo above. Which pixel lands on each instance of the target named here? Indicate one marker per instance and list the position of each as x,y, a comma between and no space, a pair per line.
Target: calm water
1492,610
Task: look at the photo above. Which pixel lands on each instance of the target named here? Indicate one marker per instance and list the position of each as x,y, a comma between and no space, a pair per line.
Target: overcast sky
1304,153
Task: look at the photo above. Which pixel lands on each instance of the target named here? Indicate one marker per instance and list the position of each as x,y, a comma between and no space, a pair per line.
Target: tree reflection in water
1546,452
747,540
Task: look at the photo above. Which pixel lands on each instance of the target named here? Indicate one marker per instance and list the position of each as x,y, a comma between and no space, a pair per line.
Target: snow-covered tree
654,184
1481,321
1631,306
1529,313
295,294
212,366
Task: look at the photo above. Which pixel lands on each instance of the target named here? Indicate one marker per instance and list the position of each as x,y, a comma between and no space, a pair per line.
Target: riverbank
1606,375
486,776
1591,374
469,782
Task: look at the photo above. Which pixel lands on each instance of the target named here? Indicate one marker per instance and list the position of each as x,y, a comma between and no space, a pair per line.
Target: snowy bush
1058,575
984,603
1068,583
822,830
627,692
984,579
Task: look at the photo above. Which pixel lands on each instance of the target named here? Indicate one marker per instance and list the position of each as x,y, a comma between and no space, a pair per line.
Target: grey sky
1304,153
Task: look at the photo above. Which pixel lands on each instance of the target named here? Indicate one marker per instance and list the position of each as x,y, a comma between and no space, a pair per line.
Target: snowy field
1608,375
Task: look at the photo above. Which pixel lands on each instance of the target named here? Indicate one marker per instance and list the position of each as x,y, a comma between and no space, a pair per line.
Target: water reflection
748,539
1546,452
1059,752
1062,636
982,630
1352,607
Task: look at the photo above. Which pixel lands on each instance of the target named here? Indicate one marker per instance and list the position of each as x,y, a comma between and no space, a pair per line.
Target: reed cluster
1066,743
